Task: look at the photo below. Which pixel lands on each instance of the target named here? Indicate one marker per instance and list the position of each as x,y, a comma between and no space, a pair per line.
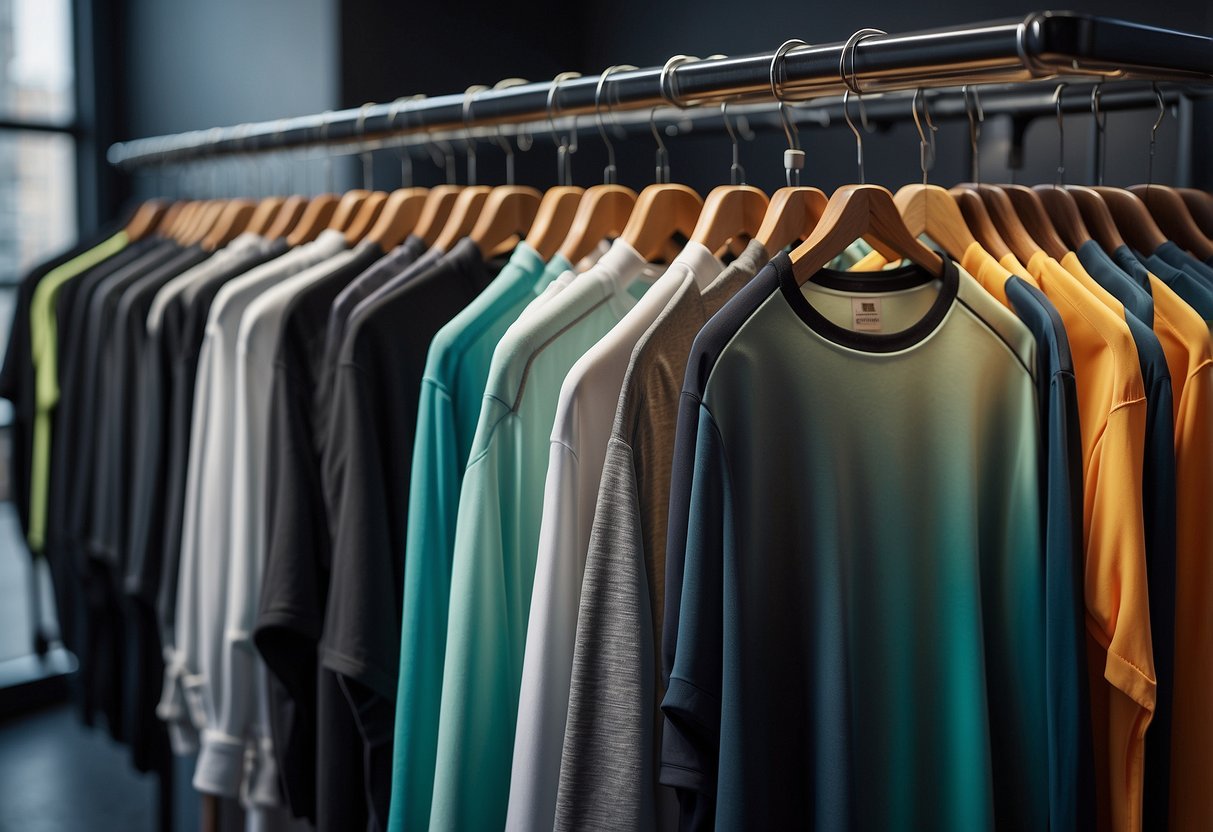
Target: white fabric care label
865,314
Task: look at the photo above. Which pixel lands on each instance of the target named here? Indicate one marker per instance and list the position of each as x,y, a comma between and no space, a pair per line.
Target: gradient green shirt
43,348
861,634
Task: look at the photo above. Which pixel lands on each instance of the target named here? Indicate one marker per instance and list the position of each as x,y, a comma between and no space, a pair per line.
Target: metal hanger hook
793,156
1101,126
926,138
666,85
976,116
736,171
501,140
846,114
1061,135
851,80
564,146
406,158
1162,113
610,174
469,143
367,156
326,119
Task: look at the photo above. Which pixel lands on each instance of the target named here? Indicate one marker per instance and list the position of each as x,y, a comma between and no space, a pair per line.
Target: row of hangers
1005,219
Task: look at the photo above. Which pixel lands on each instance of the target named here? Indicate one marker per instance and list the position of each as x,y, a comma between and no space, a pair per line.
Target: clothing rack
1043,45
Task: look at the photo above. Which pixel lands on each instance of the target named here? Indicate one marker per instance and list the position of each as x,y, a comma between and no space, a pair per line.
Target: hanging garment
497,535
1112,414
295,581
864,607
1071,763
44,356
196,638
580,433
452,391
615,687
367,464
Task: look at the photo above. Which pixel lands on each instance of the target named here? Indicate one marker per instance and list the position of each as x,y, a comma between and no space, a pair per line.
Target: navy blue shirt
1071,758
1180,259
1195,291
1159,507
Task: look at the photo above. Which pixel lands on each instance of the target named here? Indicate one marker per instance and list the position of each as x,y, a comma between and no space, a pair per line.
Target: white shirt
241,705
193,659
582,428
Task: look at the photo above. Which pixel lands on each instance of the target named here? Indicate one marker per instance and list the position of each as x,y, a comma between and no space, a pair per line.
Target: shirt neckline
890,280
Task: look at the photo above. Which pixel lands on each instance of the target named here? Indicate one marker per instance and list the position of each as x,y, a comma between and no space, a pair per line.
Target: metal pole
1043,45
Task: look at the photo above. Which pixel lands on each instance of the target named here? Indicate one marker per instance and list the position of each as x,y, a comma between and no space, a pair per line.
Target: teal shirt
452,389
861,643
497,538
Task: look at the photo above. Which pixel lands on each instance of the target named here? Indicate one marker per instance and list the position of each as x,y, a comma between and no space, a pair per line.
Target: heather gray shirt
608,770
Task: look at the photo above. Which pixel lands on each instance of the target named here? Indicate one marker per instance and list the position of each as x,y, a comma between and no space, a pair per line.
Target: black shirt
366,470
295,580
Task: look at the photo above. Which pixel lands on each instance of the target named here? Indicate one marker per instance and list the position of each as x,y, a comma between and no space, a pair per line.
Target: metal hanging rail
1043,45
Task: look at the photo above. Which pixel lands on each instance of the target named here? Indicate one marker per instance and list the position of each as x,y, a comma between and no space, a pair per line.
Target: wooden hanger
347,208
435,212
660,212
171,216
1007,221
464,214
287,217
1032,213
791,215
506,216
185,221
557,210
1096,217
233,220
147,217
263,215
1063,212
968,201
930,210
729,213
398,217
365,217
1132,219
853,212
204,222
1201,206
1173,217
603,213
315,218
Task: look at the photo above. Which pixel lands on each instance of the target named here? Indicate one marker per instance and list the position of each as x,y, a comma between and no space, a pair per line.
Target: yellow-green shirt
43,351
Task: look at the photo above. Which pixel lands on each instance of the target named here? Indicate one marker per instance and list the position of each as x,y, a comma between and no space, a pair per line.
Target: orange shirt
1112,418
1185,340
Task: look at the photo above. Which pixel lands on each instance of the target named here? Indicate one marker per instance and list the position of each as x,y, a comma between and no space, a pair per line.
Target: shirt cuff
220,768
263,783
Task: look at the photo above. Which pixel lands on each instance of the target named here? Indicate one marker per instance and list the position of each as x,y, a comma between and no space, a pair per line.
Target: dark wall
193,64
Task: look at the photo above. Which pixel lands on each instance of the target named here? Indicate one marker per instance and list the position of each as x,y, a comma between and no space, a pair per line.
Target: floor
58,776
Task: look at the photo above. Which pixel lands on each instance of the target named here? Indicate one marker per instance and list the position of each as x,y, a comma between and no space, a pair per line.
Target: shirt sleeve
547,660
433,507
479,698
234,688
607,769
682,473
182,650
1118,610
692,705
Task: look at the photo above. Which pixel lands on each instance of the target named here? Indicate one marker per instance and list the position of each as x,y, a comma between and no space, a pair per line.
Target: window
37,133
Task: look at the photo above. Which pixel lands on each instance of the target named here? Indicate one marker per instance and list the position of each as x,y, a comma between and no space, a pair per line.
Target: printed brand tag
865,314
